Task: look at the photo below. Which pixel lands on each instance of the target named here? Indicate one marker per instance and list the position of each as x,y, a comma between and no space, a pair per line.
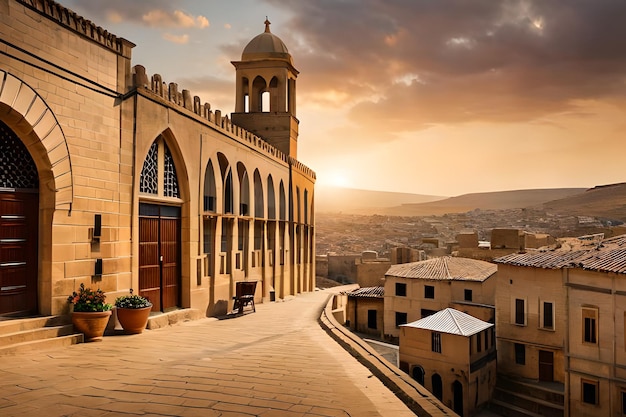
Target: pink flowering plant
88,300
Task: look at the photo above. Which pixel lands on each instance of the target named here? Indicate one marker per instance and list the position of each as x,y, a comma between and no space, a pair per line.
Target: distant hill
353,201
499,200
603,201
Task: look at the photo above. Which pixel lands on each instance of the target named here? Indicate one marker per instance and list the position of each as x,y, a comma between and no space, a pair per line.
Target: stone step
41,344
14,325
35,334
535,405
158,320
550,392
510,410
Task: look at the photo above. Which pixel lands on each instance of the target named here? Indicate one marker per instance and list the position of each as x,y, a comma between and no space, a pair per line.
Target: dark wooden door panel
546,366
159,258
18,252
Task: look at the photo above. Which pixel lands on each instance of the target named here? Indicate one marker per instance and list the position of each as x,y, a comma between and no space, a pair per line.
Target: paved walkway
275,362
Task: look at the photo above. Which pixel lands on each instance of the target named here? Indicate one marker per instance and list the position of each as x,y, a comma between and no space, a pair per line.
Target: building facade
418,289
561,316
119,180
453,355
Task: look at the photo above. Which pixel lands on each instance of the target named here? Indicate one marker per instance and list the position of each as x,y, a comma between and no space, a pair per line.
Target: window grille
17,168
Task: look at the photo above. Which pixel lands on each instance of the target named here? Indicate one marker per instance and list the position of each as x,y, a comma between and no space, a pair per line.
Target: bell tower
266,92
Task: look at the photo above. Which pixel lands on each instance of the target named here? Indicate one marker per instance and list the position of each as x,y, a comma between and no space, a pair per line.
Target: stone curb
416,397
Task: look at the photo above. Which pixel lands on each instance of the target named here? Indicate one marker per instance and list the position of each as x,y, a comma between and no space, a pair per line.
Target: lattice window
170,179
149,181
17,168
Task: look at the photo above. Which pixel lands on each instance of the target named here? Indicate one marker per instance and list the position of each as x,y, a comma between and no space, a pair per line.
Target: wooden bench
244,295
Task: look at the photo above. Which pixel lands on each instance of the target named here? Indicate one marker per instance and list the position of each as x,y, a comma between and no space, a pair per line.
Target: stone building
119,180
453,355
561,318
365,309
418,289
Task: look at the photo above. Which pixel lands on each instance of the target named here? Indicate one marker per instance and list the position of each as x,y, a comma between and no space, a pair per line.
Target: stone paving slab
275,362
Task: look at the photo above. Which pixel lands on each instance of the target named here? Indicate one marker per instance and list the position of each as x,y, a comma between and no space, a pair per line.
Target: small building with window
453,355
561,317
364,311
418,289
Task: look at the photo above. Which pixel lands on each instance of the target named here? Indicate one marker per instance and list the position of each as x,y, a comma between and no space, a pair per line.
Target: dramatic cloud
175,19
152,13
422,63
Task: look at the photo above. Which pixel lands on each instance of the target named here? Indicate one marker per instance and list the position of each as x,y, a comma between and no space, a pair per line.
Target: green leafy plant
132,301
88,300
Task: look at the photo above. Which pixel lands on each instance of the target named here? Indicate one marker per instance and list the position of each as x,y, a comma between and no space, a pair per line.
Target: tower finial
267,25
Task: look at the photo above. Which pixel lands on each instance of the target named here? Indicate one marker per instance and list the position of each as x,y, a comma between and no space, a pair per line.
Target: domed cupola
266,92
264,46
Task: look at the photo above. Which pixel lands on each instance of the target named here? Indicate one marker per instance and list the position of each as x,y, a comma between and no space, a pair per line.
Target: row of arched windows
224,202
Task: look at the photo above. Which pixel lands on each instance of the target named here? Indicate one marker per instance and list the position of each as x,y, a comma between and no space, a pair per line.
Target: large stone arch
24,111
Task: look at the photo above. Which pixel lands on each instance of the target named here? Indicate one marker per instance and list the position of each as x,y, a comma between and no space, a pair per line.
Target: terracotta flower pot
133,320
91,324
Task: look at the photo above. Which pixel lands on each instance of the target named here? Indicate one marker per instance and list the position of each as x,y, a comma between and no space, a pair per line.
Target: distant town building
561,318
419,289
365,309
453,355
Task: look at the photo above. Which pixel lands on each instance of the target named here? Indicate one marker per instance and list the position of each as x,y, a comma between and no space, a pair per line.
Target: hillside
352,201
604,201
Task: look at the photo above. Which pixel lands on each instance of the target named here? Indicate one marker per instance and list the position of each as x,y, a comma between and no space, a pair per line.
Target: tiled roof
451,321
445,268
368,292
608,255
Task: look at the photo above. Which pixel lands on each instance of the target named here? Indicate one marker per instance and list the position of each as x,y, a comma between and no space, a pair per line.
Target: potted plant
91,313
133,312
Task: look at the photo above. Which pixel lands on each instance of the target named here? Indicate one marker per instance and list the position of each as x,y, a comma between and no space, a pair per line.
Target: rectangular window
520,316
371,319
590,325
479,345
400,289
401,319
426,312
468,295
624,403
589,391
548,315
429,291
436,342
520,354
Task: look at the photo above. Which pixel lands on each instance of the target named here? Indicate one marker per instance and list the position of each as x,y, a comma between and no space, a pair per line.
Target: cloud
416,64
152,13
179,39
175,19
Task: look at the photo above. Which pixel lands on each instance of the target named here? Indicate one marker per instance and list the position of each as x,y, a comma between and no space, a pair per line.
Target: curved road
275,362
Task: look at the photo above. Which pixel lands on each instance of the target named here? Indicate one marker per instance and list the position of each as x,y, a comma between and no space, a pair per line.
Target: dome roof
266,45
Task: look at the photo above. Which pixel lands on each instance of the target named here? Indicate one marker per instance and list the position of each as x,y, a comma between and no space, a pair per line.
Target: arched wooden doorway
437,384
19,226
457,388
159,230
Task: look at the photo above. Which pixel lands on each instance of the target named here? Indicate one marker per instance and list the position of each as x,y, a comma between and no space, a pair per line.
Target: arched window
283,203
227,183
271,199
306,206
418,374
151,180
259,204
259,86
244,190
210,191
17,168
298,205
437,386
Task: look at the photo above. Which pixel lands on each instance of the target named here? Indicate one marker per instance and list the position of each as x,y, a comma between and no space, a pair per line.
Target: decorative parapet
79,24
301,167
169,92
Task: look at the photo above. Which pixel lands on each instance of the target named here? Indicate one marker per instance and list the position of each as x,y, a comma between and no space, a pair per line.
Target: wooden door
18,252
546,366
159,255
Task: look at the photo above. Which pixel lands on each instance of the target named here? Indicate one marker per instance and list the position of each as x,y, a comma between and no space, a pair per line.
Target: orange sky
430,97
